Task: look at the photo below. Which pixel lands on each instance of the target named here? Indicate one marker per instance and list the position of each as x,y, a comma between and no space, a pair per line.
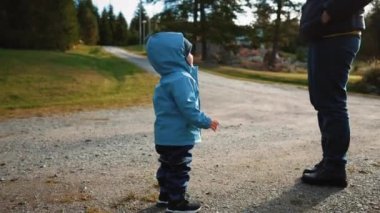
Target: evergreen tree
135,26
112,22
39,24
280,8
105,31
212,20
121,30
57,24
262,27
88,22
370,48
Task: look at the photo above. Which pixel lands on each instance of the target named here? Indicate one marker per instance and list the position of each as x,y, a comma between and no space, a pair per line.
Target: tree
262,27
276,33
89,32
211,20
371,36
136,26
112,22
105,31
39,24
222,17
121,30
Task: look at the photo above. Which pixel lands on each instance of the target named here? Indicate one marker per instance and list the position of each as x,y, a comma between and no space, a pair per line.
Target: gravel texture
104,161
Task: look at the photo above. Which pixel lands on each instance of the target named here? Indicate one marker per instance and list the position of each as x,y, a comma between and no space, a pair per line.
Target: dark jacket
346,16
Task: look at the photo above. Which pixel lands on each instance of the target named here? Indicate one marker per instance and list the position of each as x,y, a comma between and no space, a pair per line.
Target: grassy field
277,77
45,82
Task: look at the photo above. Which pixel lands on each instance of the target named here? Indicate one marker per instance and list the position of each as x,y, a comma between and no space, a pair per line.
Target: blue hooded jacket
176,96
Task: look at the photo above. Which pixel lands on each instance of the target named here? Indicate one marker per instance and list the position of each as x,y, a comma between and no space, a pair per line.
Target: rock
14,179
2,164
43,166
2,179
83,189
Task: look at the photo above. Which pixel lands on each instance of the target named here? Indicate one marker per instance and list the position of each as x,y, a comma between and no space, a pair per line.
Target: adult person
333,31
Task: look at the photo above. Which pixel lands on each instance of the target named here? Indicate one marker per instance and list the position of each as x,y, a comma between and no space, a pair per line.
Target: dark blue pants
329,63
173,174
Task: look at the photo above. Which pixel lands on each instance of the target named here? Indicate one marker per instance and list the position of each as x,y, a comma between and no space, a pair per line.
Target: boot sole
161,204
183,211
334,182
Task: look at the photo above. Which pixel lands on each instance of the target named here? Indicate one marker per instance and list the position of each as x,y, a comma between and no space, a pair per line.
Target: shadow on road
300,198
152,209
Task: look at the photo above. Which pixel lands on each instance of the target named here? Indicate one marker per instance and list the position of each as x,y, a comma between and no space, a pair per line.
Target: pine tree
211,20
59,30
39,24
88,22
121,30
135,26
112,22
105,30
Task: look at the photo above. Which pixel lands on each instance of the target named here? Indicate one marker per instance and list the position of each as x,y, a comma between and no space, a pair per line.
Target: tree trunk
195,25
203,30
272,60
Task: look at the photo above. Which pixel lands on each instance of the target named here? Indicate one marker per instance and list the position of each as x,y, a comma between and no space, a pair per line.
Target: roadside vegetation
45,82
364,78
137,49
274,77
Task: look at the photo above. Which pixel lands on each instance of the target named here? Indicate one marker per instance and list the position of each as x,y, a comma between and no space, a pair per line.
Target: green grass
266,76
83,78
137,49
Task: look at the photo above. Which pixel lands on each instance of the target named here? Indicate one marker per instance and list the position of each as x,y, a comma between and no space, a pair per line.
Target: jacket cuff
208,122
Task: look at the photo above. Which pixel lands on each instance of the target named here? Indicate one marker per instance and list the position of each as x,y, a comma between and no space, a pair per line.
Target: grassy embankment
47,82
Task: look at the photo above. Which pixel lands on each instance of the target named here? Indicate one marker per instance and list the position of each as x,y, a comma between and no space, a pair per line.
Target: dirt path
104,161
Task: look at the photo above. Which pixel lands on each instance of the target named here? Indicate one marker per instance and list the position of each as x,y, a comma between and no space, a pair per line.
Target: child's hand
214,125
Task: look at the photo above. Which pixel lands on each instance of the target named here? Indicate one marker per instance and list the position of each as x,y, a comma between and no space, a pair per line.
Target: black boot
163,200
315,168
183,206
326,177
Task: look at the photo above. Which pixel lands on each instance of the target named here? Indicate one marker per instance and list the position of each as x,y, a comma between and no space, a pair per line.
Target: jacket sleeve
340,9
183,91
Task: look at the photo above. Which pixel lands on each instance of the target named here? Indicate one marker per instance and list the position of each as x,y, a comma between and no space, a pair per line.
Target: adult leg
330,67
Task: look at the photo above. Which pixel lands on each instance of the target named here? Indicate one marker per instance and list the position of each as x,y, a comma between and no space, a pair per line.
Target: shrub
371,81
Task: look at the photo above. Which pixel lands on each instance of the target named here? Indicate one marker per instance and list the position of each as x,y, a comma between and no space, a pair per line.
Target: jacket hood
167,52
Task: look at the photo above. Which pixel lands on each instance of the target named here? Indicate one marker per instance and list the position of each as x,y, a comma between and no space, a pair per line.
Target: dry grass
39,83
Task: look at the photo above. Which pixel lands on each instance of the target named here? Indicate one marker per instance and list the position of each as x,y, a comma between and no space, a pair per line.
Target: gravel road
104,161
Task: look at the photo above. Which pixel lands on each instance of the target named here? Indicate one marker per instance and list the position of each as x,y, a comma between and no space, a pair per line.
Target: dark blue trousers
173,173
329,63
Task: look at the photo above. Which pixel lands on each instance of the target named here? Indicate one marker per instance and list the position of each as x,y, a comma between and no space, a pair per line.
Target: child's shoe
183,206
162,201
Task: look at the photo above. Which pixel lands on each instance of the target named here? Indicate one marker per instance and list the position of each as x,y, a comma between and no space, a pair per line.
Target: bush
301,54
371,81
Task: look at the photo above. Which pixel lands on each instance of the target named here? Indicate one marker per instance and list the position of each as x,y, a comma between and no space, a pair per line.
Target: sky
128,8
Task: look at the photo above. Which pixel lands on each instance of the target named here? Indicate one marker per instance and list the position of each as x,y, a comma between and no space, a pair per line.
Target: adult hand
325,18
214,125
